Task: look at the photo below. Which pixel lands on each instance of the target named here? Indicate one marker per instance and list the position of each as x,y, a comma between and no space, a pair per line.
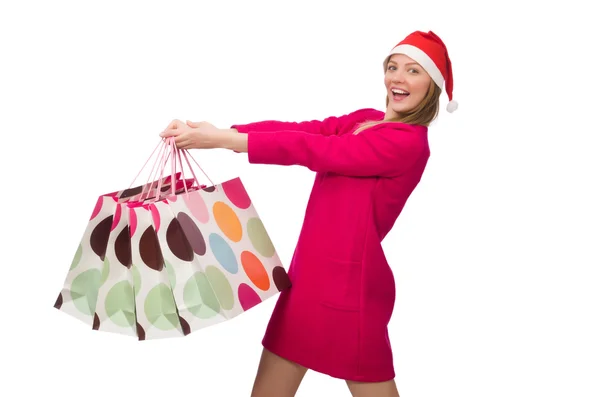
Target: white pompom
452,106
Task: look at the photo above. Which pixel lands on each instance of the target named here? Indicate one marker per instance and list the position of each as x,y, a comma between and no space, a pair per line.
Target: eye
415,71
391,67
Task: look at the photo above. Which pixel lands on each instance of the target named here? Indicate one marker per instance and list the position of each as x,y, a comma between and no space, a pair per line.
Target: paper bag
165,264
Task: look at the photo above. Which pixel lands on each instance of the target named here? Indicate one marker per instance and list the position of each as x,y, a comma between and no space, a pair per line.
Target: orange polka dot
228,221
255,270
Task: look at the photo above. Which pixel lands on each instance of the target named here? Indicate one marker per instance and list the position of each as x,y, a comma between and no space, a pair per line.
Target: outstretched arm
388,149
194,134
385,151
328,126
232,140
333,125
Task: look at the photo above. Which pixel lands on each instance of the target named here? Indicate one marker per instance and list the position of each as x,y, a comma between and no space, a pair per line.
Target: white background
495,255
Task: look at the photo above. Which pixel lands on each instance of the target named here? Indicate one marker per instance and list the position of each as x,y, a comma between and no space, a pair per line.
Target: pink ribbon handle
185,156
175,153
148,186
168,148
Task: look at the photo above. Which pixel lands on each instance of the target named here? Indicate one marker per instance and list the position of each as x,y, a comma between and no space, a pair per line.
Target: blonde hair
423,114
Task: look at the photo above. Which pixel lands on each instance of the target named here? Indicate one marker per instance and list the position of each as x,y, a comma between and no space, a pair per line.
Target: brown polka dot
209,189
281,278
140,331
177,242
150,250
192,233
123,247
96,324
131,192
99,237
59,301
184,326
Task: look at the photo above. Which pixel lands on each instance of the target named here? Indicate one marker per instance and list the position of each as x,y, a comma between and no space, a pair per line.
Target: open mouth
399,94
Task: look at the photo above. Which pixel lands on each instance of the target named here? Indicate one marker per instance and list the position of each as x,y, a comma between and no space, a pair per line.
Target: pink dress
334,318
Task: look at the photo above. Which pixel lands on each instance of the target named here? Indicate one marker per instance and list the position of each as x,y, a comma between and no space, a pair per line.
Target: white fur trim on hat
423,59
452,106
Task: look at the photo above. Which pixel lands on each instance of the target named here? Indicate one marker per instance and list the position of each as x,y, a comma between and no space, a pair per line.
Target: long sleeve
386,150
333,125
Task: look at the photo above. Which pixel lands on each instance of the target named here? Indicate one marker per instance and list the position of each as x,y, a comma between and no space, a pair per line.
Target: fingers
184,144
174,128
183,133
175,124
180,141
170,133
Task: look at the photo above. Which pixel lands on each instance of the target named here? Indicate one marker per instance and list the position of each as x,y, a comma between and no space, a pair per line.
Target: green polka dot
105,271
119,304
159,308
77,257
259,237
199,297
84,291
171,273
221,286
137,279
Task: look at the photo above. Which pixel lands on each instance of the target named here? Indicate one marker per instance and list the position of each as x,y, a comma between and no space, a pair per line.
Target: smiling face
406,83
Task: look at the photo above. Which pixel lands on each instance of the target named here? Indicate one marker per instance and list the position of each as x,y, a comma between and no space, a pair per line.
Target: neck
390,114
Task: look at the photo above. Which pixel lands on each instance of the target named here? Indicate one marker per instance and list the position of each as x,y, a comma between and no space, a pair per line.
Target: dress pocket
341,284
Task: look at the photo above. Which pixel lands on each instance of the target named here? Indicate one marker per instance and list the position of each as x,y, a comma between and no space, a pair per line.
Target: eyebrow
410,63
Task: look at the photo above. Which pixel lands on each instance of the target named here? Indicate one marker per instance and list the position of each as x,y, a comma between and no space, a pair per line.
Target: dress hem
323,371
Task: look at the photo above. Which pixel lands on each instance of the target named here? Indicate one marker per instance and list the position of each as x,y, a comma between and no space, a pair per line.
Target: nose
398,76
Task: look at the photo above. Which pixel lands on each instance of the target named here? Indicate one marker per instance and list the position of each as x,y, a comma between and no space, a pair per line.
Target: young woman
334,317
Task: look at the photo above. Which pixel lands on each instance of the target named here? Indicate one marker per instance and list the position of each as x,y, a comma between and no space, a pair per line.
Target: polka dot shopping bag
170,257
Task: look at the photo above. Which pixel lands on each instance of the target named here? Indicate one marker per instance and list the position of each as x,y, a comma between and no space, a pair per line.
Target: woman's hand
203,135
189,135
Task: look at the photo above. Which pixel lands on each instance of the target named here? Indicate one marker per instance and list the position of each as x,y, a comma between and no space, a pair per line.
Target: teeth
396,91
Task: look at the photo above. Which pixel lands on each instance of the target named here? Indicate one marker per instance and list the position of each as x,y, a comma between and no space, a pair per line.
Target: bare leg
376,389
277,377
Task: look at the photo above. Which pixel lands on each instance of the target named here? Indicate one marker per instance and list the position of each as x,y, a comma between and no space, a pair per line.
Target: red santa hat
430,52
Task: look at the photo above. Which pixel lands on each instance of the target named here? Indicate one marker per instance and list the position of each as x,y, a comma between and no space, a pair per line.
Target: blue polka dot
223,253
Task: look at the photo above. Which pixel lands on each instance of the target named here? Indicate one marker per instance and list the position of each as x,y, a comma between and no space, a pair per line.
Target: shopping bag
202,257
184,259
104,249
103,246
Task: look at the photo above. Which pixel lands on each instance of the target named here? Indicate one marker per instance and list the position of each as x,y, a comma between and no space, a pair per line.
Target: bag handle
147,187
176,153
